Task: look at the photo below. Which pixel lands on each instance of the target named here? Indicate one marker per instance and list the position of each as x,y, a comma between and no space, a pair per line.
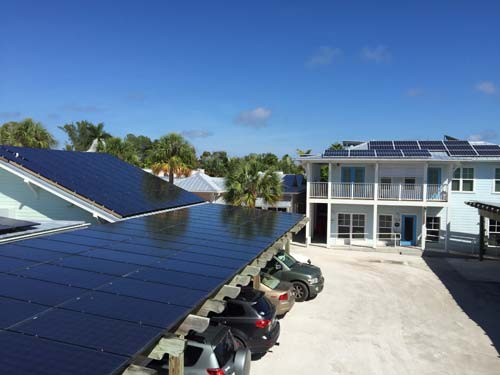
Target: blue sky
255,76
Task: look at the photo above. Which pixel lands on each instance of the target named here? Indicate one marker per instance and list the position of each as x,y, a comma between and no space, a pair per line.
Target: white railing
352,190
437,192
401,192
319,190
398,192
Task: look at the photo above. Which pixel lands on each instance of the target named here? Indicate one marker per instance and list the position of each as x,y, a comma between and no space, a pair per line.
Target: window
353,174
463,179
385,180
497,180
385,226
351,225
410,180
494,233
433,225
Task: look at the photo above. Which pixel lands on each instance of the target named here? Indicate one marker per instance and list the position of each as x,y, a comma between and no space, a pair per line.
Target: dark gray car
307,279
214,352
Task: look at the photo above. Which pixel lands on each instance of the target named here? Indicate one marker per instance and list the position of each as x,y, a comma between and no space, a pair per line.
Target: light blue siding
22,201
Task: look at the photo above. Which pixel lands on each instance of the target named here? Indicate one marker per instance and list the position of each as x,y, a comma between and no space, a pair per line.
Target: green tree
26,133
246,183
215,164
84,135
303,152
288,166
336,146
121,149
172,154
141,145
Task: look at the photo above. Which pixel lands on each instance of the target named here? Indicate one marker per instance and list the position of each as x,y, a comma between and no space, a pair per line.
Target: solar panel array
89,301
416,150
102,179
11,225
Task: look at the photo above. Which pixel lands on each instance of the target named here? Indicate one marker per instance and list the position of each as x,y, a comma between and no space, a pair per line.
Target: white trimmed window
351,225
385,227
494,233
497,180
463,179
433,225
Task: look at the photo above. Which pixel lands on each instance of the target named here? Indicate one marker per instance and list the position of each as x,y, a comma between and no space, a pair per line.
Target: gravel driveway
392,314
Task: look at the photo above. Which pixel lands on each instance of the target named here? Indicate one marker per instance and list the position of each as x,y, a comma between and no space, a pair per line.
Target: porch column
447,226
424,185
329,194
328,223
308,203
375,225
375,186
424,228
482,246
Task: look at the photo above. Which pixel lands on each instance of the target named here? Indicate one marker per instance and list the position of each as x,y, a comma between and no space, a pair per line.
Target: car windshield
269,281
287,259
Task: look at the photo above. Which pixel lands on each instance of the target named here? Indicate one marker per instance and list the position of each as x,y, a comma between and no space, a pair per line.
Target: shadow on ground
476,294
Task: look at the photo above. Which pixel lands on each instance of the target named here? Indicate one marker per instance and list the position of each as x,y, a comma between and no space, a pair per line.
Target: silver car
213,352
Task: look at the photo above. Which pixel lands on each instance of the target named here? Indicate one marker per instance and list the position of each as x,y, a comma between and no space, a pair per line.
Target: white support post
424,190
375,186
399,192
424,228
308,203
446,233
375,225
329,195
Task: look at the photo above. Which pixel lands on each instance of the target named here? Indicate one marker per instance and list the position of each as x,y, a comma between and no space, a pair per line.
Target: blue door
352,175
408,230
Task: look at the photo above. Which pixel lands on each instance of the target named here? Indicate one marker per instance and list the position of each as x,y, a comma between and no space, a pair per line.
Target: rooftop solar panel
336,153
362,153
416,153
389,154
432,145
486,147
102,179
105,301
406,145
11,225
459,152
488,152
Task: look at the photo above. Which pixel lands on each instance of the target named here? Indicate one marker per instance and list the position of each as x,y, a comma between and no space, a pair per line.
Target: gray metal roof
202,183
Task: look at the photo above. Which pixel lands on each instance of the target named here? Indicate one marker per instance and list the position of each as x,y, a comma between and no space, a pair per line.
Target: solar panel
389,154
406,145
336,153
416,154
381,145
432,145
101,178
486,147
459,152
488,152
362,153
104,298
12,225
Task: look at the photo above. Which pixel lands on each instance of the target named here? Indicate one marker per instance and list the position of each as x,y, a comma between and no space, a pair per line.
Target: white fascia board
162,211
84,205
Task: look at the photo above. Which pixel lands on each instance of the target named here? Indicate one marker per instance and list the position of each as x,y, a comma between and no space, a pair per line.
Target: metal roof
99,179
201,183
92,300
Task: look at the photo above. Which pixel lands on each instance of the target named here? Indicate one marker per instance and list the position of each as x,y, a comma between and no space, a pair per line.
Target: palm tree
303,152
27,133
172,154
121,149
84,135
336,146
246,183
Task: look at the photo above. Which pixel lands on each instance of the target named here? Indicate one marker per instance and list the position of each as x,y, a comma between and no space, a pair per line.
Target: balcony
392,192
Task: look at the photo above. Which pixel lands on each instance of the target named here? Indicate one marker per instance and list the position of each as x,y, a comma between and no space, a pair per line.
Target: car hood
307,269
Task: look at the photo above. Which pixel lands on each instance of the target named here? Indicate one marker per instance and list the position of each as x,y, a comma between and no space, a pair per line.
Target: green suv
307,279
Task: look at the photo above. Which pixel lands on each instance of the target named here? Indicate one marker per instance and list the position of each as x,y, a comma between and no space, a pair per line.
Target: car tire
240,344
301,291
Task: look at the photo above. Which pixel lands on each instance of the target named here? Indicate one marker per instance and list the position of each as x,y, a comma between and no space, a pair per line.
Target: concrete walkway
392,314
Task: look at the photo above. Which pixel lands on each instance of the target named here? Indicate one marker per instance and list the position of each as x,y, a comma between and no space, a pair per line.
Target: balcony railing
398,192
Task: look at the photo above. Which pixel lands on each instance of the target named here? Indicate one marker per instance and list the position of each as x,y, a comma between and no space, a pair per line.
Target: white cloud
486,135
323,56
256,118
82,108
9,115
378,54
415,91
197,133
486,87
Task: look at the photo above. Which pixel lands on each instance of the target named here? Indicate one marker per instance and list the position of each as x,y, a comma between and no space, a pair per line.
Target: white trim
350,225
43,233
493,191
166,210
29,178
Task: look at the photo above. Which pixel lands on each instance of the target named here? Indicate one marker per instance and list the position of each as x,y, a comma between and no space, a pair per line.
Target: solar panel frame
389,154
336,153
362,153
432,145
416,154
489,153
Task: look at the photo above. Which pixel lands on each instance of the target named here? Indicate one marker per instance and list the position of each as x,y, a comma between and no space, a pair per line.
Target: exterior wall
353,209
19,200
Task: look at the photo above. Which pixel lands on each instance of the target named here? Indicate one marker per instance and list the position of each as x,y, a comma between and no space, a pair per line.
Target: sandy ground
391,314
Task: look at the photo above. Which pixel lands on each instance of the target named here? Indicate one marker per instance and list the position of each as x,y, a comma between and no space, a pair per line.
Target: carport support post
288,241
256,281
481,237
176,365
424,228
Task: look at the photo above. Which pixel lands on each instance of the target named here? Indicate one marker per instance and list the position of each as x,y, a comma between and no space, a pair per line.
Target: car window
269,281
234,309
191,355
287,259
224,350
261,306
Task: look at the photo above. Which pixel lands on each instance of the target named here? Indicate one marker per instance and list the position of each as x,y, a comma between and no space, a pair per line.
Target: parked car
280,293
252,319
307,279
213,352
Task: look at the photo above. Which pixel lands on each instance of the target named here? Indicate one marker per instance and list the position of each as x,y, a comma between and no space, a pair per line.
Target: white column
447,225
328,223
308,203
329,195
375,186
375,225
424,228
424,189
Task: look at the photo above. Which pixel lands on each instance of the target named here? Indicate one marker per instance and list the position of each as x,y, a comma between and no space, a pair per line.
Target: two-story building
409,193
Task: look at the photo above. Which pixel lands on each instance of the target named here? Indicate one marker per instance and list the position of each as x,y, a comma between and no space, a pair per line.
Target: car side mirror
277,266
309,261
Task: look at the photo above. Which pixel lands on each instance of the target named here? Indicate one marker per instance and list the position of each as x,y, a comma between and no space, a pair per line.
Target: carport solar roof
100,179
90,301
